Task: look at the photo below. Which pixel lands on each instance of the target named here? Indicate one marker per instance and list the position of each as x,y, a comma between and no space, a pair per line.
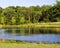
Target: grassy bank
49,24
28,45
14,44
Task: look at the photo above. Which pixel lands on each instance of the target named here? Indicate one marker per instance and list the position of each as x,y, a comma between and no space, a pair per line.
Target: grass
48,24
28,45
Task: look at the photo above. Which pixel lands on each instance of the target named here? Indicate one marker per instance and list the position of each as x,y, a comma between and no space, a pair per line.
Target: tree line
34,14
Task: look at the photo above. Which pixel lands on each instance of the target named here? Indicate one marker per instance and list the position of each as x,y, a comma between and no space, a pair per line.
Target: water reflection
31,34
31,31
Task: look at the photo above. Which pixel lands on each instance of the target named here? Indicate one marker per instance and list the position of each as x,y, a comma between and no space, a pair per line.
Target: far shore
48,24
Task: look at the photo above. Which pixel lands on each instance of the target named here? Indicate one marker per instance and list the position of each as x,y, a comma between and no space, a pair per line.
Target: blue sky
6,3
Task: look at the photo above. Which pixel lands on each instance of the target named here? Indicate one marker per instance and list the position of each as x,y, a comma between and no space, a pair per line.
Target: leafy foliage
33,14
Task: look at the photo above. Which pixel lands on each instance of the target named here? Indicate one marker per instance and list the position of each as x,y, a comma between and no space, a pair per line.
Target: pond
31,34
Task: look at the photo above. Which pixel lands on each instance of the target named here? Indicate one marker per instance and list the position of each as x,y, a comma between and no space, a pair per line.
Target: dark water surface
31,34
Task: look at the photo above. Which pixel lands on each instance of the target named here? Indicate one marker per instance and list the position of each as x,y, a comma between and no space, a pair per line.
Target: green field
48,24
28,45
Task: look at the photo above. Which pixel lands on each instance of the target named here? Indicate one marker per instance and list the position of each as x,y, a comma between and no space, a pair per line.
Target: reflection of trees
50,30
30,31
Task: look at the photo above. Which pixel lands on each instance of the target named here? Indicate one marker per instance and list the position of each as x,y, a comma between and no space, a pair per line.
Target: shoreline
20,41
50,25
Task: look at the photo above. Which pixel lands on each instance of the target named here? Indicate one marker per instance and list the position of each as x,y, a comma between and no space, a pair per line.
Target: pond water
31,34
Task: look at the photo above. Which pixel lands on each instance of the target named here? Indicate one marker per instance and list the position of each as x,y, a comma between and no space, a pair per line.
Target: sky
27,3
